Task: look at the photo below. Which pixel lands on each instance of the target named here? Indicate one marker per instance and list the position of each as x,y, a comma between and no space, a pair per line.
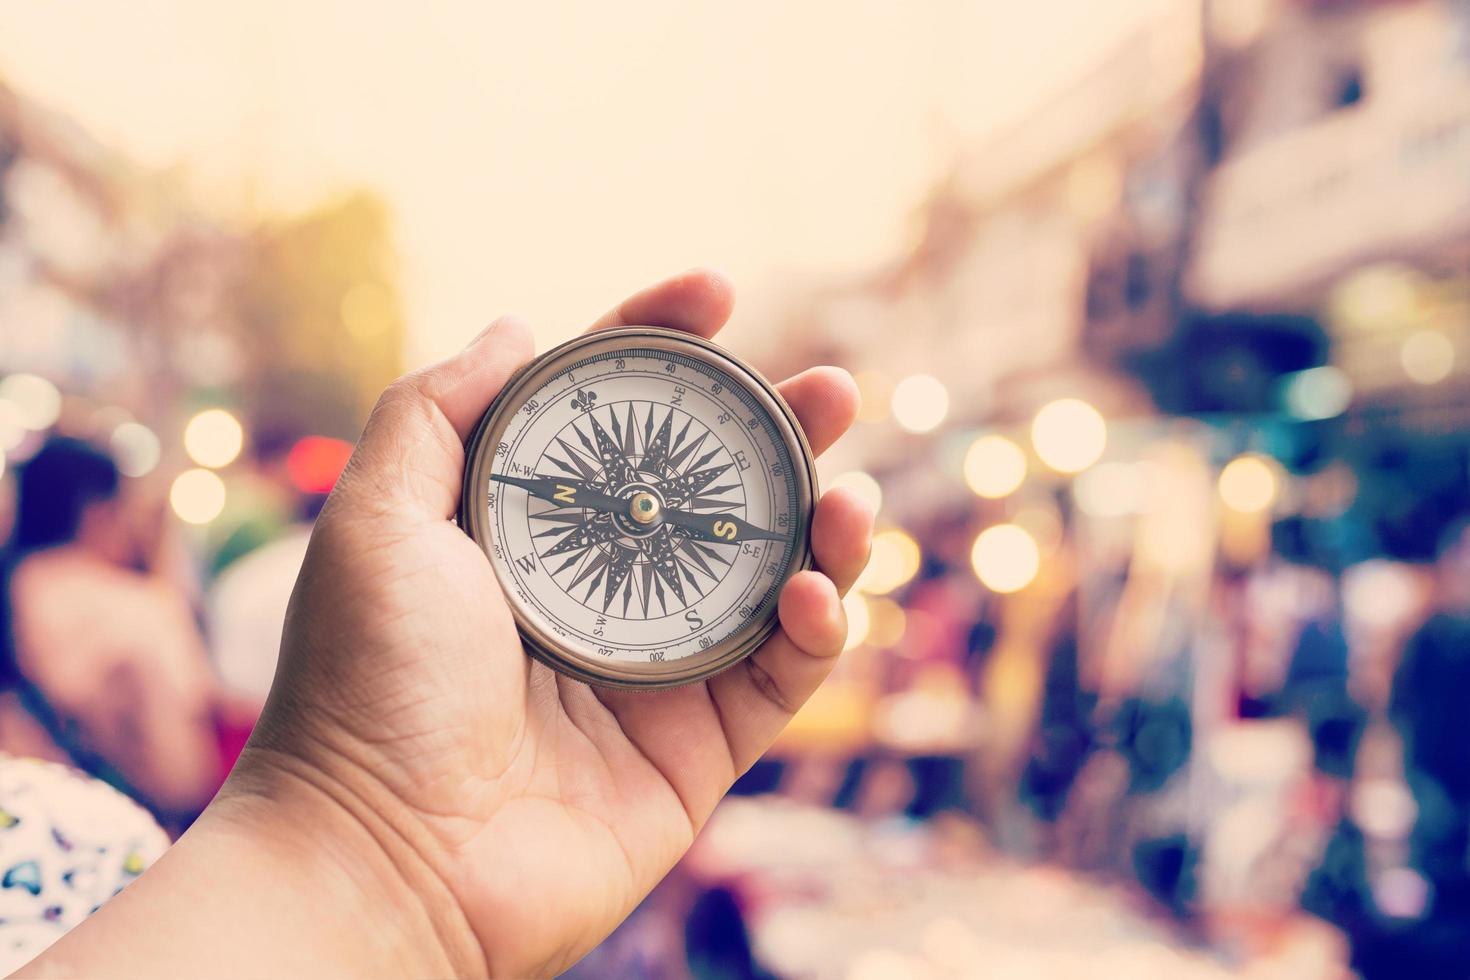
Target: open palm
530,812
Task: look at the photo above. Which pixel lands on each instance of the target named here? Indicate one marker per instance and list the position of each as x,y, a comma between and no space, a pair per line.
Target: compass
643,496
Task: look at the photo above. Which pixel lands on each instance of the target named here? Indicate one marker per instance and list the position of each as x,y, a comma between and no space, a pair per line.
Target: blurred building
1169,374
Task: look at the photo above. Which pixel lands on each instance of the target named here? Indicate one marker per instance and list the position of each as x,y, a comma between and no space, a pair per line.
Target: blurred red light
315,462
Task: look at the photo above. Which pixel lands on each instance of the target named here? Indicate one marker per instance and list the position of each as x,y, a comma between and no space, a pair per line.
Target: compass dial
642,496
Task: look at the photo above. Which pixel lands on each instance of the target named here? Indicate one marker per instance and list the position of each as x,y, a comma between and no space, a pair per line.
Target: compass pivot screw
643,507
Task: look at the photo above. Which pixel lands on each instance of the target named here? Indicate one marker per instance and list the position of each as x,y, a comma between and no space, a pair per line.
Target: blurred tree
322,318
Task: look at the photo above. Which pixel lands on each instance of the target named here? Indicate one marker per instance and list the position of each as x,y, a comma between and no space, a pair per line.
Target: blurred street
1159,662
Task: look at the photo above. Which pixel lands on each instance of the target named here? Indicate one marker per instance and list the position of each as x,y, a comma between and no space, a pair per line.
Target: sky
548,159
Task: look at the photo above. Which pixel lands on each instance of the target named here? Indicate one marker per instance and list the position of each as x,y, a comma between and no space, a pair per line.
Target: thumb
410,459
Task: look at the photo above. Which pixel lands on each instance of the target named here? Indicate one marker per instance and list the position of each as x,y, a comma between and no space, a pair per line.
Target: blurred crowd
1158,663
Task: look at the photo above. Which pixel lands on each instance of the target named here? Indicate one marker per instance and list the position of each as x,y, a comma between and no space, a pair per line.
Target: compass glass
642,496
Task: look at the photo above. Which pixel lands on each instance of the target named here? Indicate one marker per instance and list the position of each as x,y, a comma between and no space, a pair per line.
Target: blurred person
104,666
420,797
256,567
717,940
1428,708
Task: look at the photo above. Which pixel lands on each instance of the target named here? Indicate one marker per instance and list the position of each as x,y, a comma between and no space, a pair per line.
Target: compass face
642,497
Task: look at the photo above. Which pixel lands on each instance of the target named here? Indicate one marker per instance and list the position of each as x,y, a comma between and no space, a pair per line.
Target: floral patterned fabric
68,843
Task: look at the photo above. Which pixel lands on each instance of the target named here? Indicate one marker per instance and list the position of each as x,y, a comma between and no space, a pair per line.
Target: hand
419,796
543,809
518,815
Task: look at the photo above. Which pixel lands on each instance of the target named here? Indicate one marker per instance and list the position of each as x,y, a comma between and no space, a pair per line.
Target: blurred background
1161,314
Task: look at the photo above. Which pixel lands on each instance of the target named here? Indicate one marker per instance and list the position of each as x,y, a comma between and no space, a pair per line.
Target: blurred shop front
1166,413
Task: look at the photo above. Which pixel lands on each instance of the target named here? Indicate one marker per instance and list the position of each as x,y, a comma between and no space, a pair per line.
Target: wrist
354,858
282,878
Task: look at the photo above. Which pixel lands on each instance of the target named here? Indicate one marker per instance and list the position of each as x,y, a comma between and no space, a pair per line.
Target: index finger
698,301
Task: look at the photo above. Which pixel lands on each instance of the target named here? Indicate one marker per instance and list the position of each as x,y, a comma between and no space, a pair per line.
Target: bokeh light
994,466
862,486
1248,484
1094,186
12,431
1110,489
875,393
858,620
893,561
37,401
213,438
1379,594
886,621
1428,357
367,311
315,462
1069,435
920,403
1318,393
135,448
1005,558
197,496
1237,23
1377,296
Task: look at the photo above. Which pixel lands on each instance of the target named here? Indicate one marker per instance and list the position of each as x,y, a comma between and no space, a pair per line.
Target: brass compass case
599,486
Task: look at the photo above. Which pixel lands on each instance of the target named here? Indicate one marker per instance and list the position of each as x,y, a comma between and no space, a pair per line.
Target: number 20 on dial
642,496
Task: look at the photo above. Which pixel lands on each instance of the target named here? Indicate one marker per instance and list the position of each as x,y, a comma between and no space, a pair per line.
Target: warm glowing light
1094,186
1248,484
197,496
953,945
1237,23
862,486
135,448
858,620
1380,594
994,466
213,438
37,401
1401,892
1428,357
886,621
12,432
1318,393
883,964
1110,489
367,311
315,462
893,561
920,403
1006,558
1069,435
875,394
1383,808
1377,297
